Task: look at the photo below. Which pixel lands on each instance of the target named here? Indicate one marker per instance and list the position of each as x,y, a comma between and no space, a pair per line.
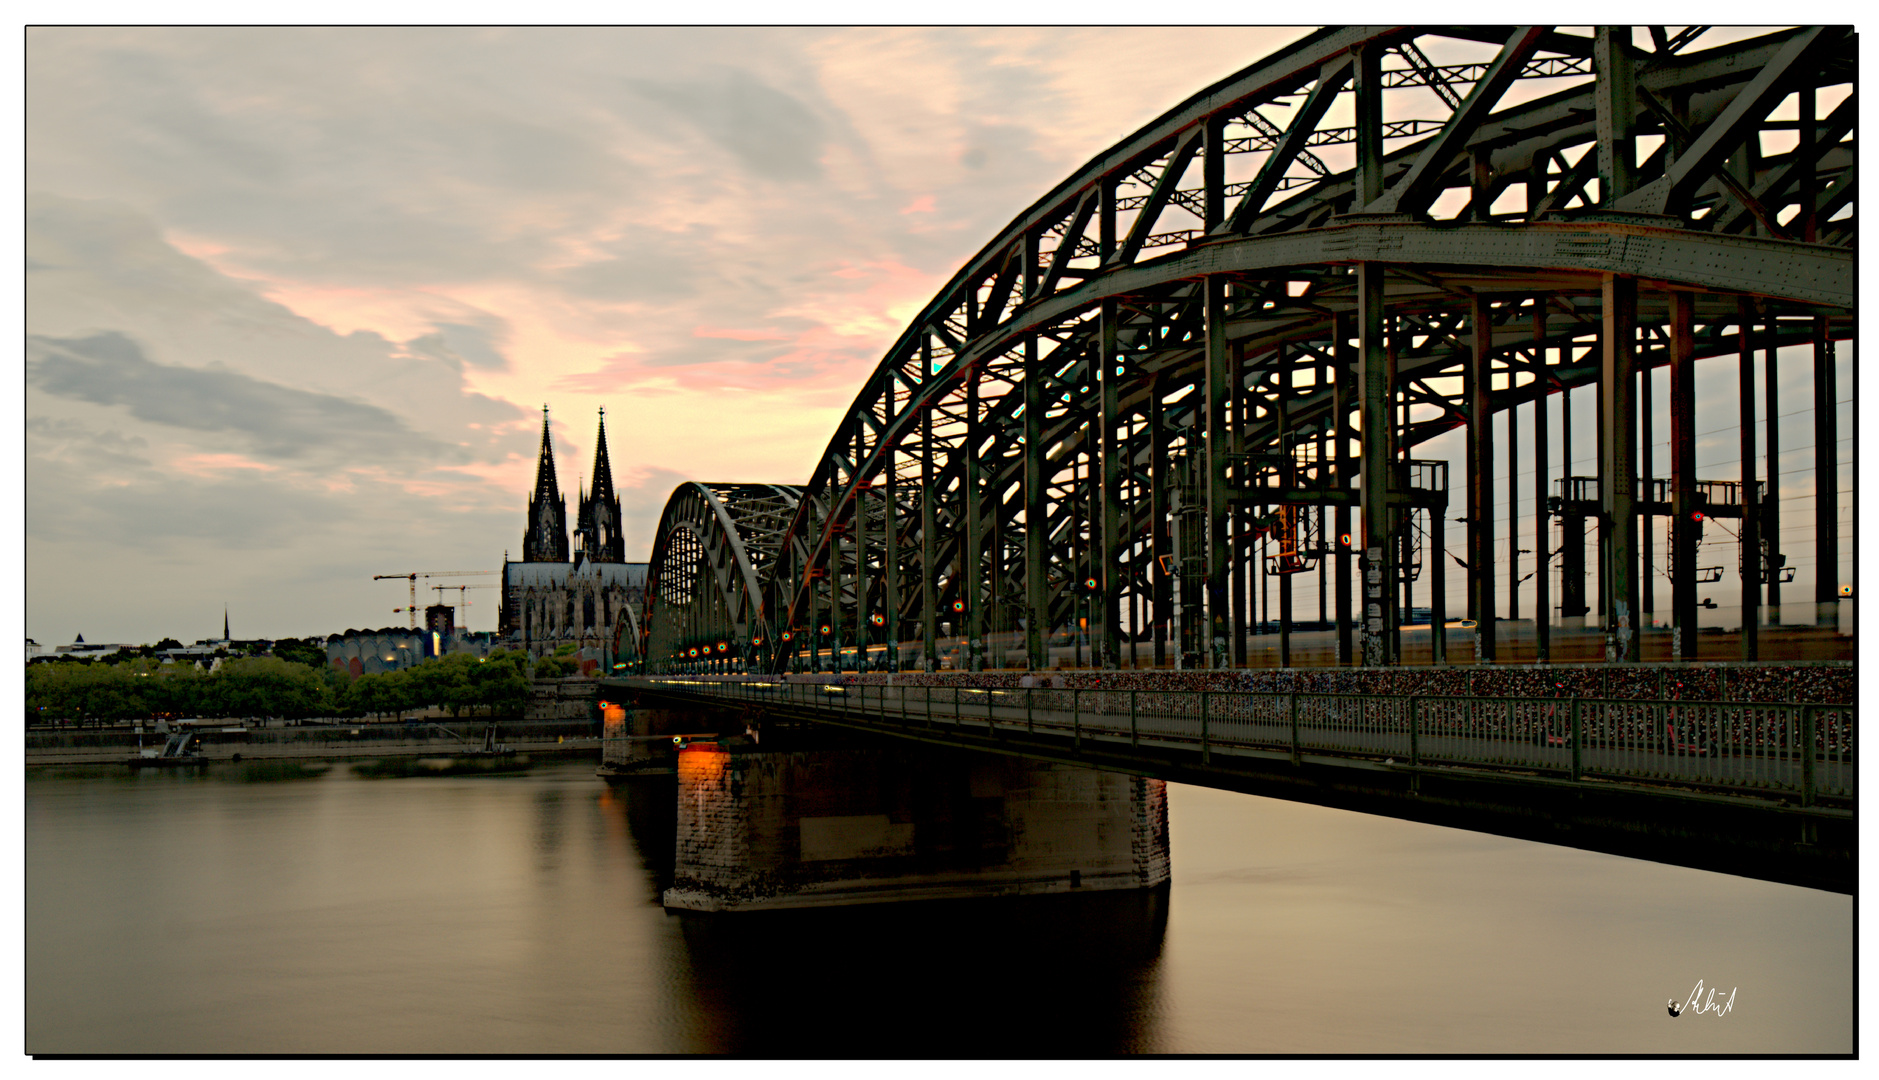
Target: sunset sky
297,296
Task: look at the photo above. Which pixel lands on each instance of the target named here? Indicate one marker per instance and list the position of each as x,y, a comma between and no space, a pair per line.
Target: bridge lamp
878,619
786,635
722,646
959,605
1696,515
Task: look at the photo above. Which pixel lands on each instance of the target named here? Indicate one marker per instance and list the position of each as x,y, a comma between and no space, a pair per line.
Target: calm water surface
244,912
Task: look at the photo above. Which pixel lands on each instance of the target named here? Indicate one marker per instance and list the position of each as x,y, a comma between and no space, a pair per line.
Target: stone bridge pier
773,823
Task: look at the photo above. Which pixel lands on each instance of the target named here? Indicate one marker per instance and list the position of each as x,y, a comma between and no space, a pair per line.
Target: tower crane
413,578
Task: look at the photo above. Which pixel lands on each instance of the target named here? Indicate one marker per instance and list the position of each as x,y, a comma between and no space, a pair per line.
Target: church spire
225,636
602,487
547,537
598,528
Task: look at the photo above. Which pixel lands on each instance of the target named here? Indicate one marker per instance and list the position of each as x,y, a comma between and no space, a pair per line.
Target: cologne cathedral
588,597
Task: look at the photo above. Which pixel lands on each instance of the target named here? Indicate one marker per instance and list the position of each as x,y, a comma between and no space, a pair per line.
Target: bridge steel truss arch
1252,310
713,561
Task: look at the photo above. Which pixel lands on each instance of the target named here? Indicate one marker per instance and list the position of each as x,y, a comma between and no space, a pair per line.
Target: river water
251,910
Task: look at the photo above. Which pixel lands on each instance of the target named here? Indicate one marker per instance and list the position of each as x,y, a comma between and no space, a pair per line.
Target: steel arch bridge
1225,335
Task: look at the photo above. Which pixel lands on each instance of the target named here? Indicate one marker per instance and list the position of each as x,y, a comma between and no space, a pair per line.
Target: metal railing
1722,747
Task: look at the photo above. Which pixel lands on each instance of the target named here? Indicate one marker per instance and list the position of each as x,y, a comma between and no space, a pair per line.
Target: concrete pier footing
774,829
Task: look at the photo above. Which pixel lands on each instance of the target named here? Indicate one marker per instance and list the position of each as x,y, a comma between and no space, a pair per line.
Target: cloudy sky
296,297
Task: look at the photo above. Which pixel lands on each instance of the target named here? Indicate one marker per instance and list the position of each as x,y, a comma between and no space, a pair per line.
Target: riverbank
335,743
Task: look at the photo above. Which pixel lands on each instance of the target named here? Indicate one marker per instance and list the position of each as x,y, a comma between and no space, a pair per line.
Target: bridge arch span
714,551
1213,349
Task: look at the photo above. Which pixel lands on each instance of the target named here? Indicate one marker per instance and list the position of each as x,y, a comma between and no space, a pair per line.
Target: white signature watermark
1700,1002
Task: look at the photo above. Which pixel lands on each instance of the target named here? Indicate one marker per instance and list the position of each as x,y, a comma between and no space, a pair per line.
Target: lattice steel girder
1001,405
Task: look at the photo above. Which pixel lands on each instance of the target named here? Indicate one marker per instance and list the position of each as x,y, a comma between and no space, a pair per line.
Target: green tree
308,651
501,682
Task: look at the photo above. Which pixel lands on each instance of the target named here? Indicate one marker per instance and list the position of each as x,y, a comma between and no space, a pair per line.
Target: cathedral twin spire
597,536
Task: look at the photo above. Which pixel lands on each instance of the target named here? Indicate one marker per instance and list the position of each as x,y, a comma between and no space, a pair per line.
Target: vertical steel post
1288,481
1751,518
1217,388
863,587
1771,503
890,558
1114,470
1481,483
929,527
814,631
1206,755
1543,561
1647,499
1513,500
1292,716
1036,515
1826,475
1341,470
1374,422
1160,551
1809,726
1367,94
1615,101
1578,725
970,567
1618,472
1373,412
1438,582
1684,528
836,513
1239,561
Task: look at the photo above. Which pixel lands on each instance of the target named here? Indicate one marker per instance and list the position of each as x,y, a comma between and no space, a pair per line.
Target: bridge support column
1374,420
1215,493
1751,516
1341,459
1826,479
1481,478
929,525
1036,519
1618,474
970,567
891,560
1114,470
1542,532
776,829
1161,552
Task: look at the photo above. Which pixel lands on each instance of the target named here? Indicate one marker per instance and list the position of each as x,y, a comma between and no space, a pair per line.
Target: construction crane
463,620
413,578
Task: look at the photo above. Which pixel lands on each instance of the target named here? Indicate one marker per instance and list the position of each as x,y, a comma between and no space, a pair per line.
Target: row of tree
269,686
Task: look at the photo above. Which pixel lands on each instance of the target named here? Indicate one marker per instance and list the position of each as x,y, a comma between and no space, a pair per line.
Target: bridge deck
1662,760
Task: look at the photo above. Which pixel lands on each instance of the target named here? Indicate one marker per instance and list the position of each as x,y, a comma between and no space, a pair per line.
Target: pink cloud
209,464
925,204
739,335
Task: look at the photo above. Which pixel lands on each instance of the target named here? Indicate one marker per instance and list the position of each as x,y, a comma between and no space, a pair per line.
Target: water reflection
198,912
1061,975
1057,975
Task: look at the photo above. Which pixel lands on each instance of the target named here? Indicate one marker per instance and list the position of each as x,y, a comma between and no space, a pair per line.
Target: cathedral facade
587,594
